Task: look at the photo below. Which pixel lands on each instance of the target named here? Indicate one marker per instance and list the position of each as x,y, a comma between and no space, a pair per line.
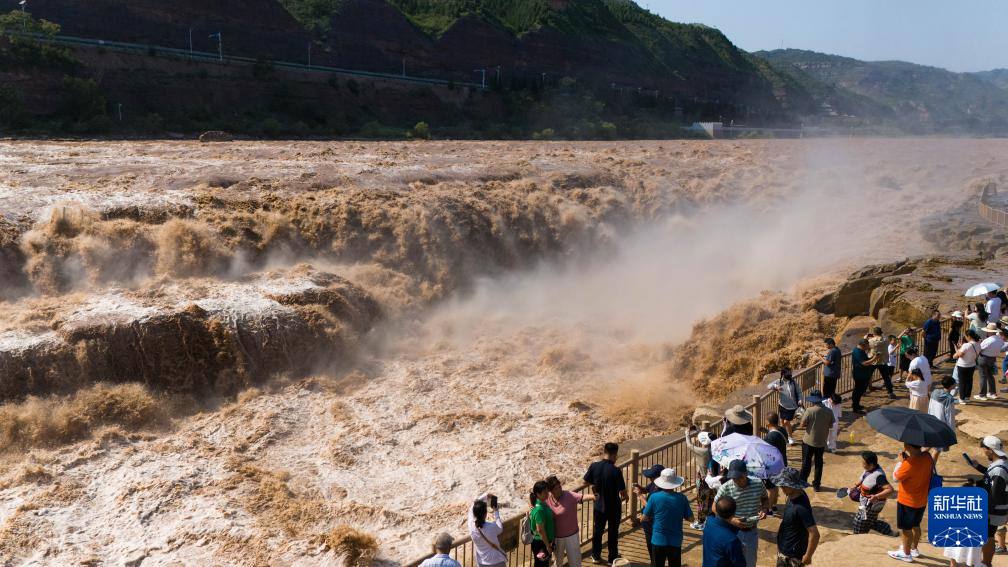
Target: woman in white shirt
966,359
485,534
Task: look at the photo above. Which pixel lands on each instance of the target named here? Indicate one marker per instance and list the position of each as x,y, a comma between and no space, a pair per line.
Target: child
834,404
942,402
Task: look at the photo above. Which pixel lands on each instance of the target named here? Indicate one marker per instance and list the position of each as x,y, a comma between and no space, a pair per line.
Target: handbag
937,480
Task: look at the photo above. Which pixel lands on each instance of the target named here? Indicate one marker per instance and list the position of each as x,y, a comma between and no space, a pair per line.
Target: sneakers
900,556
790,441
914,553
696,526
992,396
962,402
773,510
597,560
978,397
1000,550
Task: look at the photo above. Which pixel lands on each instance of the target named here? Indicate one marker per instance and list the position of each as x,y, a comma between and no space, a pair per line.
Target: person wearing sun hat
797,535
651,473
737,420
706,466
986,362
667,510
995,482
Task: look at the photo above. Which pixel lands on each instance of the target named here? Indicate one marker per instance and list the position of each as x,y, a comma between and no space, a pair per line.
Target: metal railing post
634,475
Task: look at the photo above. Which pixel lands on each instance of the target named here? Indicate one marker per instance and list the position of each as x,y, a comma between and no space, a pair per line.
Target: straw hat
991,328
957,314
669,479
738,415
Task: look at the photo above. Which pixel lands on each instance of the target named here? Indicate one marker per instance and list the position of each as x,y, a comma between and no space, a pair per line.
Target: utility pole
544,80
498,75
220,46
119,105
483,71
309,54
190,43
24,16
404,66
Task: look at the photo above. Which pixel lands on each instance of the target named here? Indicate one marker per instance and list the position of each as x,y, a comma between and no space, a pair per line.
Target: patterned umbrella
762,459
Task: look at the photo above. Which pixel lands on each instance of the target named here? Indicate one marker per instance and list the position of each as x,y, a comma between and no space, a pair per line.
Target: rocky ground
332,334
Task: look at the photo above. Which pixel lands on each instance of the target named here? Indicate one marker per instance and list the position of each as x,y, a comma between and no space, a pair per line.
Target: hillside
914,98
997,77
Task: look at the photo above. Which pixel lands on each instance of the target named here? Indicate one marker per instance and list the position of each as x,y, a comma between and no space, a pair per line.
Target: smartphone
493,501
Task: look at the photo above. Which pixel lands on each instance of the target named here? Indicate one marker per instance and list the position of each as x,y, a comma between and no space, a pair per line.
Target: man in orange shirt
914,477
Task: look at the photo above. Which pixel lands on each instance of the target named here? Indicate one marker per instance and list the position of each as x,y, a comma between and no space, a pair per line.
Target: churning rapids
230,354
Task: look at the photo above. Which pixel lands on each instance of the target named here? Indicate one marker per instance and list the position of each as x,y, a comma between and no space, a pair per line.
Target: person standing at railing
906,340
932,336
966,360
955,331
876,352
817,422
442,546
643,493
862,368
610,492
485,535
789,396
543,525
889,368
752,504
706,466
776,437
989,349
564,505
831,366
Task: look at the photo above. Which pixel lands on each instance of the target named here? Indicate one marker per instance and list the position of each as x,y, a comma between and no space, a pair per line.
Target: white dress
964,555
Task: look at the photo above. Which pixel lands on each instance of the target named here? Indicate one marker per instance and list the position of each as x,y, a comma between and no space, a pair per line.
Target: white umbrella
983,289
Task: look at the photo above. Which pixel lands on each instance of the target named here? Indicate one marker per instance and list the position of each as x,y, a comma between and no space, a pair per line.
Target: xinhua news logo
957,517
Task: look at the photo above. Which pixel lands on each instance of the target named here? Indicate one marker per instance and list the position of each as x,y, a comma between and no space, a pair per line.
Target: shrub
354,547
544,134
421,130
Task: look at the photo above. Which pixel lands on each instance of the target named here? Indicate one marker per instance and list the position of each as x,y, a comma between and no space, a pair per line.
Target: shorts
991,530
904,363
907,517
786,414
768,484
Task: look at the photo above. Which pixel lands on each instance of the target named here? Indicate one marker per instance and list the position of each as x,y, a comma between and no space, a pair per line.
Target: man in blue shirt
442,547
667,510
831,368
932,337
721,545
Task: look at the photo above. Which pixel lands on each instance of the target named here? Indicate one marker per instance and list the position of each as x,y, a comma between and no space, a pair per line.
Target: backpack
525,529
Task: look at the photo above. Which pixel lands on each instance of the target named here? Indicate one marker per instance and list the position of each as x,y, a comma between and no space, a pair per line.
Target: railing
674,453
212,57
996,216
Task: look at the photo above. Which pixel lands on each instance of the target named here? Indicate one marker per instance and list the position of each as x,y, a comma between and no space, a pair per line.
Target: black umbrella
913,427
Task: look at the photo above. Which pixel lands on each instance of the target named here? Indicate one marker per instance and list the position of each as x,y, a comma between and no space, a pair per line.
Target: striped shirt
747,500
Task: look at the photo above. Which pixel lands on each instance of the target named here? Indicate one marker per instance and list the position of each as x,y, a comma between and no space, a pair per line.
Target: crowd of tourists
731,502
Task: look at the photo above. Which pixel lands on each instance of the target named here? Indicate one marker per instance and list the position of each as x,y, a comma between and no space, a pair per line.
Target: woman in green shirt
543,525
